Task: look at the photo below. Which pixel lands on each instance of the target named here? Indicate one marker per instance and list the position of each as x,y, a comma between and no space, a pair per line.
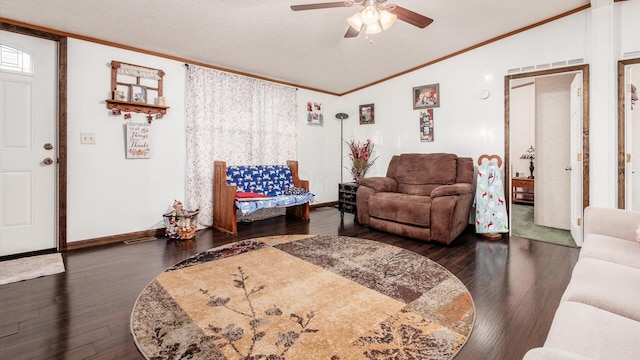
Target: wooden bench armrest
297,182
299,211
224,200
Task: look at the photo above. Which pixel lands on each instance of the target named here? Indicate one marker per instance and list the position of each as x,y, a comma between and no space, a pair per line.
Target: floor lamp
341,117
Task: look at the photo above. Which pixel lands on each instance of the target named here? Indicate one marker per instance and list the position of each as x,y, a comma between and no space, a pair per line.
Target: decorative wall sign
138,140
314,114
426,97
426,125
367,114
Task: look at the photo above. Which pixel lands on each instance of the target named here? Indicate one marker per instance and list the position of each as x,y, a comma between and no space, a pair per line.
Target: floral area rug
303,297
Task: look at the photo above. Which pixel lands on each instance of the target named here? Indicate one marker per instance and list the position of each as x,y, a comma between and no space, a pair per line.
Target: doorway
628,134
48,152
546,138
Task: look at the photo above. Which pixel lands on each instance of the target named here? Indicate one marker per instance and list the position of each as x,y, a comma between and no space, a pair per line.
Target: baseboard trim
82,244
327,204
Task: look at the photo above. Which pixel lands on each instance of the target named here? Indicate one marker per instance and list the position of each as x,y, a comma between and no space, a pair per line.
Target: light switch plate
87,138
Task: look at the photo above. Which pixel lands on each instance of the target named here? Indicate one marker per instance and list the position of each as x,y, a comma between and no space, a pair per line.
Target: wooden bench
225,216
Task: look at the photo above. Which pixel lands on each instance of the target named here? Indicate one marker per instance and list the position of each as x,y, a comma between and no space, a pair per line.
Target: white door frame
584,69
61,151
623,148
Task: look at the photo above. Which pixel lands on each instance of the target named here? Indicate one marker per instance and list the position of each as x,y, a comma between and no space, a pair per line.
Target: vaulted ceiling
266,38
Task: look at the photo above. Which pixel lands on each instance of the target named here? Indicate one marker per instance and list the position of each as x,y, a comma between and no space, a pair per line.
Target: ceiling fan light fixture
387,19
373,29
370,15
356,21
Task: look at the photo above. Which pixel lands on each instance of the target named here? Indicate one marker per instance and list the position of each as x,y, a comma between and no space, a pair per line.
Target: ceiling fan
374,17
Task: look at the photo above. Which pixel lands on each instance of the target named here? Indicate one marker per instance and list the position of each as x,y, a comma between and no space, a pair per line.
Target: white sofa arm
616,223
551,354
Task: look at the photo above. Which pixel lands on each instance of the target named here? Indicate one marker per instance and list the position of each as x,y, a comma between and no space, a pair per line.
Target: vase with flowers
361,159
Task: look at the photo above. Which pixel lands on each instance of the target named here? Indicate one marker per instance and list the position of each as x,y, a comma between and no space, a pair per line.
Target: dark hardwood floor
84,313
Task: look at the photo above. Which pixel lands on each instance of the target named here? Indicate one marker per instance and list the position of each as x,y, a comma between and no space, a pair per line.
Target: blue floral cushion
271,180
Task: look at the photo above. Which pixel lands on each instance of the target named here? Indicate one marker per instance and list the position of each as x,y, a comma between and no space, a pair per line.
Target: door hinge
628,158
579,91
579,157
579,221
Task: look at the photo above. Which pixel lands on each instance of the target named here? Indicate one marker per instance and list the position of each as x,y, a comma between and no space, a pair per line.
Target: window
15,60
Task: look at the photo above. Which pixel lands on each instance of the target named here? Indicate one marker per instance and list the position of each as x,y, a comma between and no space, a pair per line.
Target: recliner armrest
380,184
453,189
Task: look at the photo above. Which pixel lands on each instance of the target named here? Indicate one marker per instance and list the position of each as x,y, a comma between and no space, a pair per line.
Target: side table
522,191
347,199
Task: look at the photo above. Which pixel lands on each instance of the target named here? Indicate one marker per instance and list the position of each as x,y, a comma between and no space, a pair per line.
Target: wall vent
559,63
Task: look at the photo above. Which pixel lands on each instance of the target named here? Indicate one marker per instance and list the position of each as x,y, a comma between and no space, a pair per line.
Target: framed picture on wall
426,97
314,114
426,125
367,114
137,93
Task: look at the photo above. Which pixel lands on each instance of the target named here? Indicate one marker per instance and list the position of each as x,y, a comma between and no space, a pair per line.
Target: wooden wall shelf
127,106
126,77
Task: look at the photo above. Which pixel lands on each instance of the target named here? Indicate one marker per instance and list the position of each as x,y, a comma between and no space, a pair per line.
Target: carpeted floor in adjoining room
522,224
304,296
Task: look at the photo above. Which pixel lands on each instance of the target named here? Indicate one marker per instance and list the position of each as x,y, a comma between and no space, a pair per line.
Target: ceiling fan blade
321,5
351,32
411,17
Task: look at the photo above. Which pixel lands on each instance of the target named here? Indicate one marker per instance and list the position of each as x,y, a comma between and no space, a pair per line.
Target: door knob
48,146
568,168
48,161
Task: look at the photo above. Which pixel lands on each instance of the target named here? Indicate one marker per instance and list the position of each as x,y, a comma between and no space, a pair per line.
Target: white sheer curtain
234,118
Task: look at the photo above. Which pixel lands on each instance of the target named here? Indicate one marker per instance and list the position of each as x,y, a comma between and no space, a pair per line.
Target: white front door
28,146
575,162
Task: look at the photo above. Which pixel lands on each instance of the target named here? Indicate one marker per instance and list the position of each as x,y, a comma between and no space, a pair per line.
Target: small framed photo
367,114
426,125
138,93
426,97
119,95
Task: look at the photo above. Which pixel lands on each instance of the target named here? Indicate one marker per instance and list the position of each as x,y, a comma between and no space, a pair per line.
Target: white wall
468,126
319,146
109,195
464,123
522,114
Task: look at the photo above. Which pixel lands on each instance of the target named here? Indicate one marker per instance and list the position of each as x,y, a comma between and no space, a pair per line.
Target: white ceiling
266,38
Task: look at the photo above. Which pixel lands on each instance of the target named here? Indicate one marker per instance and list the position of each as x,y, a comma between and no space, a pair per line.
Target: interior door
575,162
28,80
632,138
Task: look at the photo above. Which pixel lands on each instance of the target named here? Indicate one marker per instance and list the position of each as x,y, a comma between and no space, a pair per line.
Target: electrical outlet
87,138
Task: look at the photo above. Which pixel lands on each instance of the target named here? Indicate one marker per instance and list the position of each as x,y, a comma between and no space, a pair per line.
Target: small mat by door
30,268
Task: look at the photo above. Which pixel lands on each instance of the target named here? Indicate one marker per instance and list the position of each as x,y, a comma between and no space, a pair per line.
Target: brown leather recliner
424,196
